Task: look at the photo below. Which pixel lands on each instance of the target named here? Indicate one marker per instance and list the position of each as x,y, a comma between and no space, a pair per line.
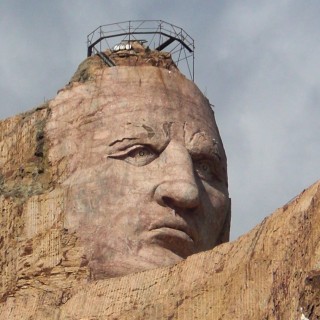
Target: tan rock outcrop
272,272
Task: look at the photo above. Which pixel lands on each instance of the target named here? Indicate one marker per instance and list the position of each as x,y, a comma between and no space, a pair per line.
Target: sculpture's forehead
134,88
153,120
165,106
153,128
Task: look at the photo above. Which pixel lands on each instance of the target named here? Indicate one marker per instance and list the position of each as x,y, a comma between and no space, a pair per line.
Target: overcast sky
257,62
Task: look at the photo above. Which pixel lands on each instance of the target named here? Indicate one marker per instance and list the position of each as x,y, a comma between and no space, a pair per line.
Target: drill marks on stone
10,226
19,138
47,253
22,161
111,297
7,126
43,225
44,212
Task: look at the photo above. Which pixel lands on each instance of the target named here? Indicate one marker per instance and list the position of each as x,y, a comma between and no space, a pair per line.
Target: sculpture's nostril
167,201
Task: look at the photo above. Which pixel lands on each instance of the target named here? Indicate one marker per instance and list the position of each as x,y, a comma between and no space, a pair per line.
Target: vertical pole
129,31
129,36
88,46
160,36
100,38
193,64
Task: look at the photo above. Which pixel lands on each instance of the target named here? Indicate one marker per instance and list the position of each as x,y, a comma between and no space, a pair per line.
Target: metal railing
157,35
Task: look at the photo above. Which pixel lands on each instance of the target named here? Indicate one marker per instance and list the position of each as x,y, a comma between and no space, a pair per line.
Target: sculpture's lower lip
175,231
175,226
175,240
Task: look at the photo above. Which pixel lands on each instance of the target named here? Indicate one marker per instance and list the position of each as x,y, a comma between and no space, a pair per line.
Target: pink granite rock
145,169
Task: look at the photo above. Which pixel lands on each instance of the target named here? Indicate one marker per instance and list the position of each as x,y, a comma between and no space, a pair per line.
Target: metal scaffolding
157,35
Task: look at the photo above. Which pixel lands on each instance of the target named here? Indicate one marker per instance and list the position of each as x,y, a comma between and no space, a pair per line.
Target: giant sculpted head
147,172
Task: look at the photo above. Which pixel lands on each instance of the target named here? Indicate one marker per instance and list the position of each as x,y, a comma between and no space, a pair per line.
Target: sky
257,62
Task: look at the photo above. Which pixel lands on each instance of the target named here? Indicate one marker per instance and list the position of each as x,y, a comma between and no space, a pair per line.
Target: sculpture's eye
140,156
206,170
137,155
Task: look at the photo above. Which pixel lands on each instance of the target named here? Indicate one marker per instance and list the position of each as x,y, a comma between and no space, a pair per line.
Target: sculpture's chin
146,259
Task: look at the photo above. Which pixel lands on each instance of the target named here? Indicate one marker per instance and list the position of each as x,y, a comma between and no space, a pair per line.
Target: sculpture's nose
181,194
178,187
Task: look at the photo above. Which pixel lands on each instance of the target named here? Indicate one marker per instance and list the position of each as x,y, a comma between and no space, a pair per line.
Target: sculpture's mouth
175,225
176,237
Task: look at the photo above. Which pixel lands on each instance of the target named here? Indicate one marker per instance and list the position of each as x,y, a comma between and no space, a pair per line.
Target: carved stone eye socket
204,167
140,156
205,170
137,155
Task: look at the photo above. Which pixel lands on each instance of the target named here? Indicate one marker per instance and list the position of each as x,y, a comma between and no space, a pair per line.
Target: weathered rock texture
137,56
273,272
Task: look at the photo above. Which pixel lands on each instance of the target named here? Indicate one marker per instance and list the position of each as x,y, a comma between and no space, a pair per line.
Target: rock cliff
272,272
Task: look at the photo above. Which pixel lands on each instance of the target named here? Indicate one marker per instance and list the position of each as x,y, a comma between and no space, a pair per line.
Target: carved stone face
149,182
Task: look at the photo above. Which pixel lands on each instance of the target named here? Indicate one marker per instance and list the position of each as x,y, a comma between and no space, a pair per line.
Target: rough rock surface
138,55
273,272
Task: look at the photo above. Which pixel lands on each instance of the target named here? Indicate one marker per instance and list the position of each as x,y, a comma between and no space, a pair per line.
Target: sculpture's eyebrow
121,140
138,134
198,134
202,143
126,141
149,131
